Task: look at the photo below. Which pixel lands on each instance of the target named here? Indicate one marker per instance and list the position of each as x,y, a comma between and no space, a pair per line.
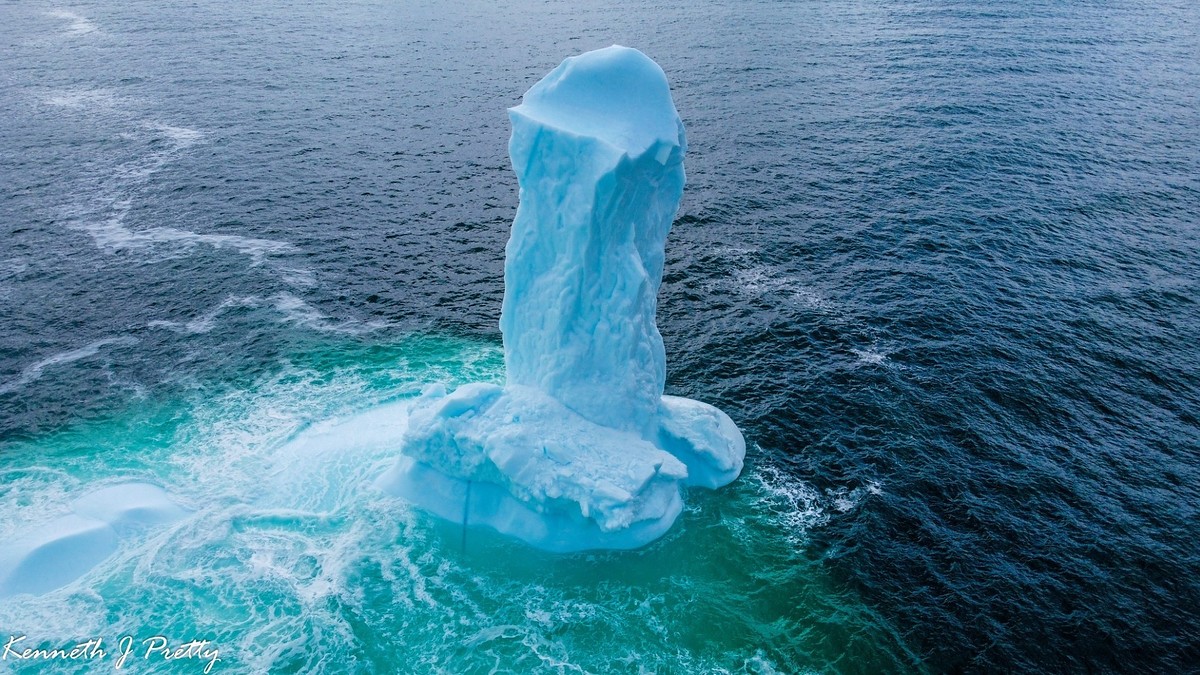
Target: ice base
518,461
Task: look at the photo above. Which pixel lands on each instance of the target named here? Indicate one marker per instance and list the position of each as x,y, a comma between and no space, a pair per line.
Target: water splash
289,559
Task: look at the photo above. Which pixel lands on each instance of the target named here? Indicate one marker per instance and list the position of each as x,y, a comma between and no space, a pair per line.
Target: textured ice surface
598,151
580,449
55,553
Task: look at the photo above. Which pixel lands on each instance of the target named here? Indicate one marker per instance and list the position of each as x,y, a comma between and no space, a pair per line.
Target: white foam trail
300,312
112,235
105,220
77,25
293,309
206,322
83,98
180,138
34,372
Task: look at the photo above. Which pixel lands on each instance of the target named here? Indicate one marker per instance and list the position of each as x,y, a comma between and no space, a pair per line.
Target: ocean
938,259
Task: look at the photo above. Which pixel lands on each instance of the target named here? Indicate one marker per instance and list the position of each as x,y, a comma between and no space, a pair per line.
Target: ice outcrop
580,449
53,554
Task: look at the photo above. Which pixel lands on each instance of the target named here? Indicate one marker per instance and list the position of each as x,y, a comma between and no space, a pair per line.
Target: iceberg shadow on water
579,449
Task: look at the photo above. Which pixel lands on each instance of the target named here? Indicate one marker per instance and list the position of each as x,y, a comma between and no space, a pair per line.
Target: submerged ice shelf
56,552
580,449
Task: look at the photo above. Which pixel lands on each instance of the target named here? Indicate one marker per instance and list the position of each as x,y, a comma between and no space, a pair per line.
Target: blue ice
579,449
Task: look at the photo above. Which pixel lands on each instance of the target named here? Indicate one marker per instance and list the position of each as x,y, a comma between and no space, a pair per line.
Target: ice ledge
558,530
56,553
518,461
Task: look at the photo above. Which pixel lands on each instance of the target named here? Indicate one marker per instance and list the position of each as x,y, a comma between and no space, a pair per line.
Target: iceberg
57,552
579,449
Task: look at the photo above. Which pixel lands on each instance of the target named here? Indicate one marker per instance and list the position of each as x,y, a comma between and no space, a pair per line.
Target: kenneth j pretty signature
156,648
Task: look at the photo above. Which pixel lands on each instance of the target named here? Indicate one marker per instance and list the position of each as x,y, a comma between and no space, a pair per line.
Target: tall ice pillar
580,449
598,150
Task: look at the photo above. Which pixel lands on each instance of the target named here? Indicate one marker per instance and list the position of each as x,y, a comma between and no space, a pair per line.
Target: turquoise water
293,563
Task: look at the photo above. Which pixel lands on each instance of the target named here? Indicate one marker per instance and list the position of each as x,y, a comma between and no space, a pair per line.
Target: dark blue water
940,260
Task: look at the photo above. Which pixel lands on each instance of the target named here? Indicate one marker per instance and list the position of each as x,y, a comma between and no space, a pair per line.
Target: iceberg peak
615,95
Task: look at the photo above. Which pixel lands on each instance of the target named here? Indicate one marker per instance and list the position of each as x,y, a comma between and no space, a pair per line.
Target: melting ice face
580,449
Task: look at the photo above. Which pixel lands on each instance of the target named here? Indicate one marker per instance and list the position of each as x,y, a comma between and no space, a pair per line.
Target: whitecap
792,502
870,356
76,24
83,98
844,500
761,665
298,276
800,507
181,136
12,267
769,282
